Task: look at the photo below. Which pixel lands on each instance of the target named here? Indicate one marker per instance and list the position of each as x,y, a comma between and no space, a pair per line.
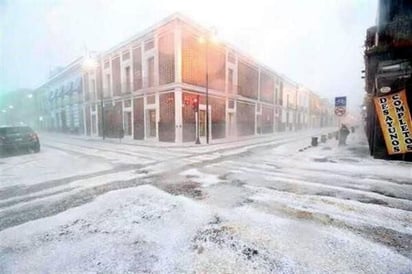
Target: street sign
340,101
340,106
340,111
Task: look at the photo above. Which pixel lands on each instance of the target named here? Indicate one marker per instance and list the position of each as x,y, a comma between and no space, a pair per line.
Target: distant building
61,100
303,108
144,88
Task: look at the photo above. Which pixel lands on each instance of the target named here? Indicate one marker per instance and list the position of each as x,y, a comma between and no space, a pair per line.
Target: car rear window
14,130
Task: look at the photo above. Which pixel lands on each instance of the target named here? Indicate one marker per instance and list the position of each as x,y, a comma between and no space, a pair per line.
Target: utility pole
207,91
206,40
102,115
195,106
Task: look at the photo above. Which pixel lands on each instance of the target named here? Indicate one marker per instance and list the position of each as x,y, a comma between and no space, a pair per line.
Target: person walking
343,134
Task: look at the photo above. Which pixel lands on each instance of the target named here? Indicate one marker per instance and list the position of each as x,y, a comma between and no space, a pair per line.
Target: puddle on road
188,188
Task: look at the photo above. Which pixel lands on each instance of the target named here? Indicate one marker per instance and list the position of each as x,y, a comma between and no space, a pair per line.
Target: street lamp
206,40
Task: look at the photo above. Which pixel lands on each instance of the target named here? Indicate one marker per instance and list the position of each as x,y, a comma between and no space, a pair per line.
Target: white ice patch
49,164
351,212
135,230
145,230
202,178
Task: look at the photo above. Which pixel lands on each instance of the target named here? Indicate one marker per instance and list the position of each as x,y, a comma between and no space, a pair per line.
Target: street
267,204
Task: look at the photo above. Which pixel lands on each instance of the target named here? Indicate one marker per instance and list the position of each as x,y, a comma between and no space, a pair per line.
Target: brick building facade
144,88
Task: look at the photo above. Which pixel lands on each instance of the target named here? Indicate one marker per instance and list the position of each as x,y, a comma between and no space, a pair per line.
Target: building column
178,52
178,79
84,120
256,115
178,115
84,105
157,102
227,116
145,117
258,103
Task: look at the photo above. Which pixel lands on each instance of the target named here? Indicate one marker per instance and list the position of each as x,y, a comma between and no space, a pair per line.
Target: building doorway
151,131
231,124
63,121
94,124
259,124
202,124
127,123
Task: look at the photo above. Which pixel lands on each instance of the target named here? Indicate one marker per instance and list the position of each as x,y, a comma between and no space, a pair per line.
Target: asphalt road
70,172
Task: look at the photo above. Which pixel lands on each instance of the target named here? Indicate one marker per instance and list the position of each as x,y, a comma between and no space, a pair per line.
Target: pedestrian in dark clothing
343,134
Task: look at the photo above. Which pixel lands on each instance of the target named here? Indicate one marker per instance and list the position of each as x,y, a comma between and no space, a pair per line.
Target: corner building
144,89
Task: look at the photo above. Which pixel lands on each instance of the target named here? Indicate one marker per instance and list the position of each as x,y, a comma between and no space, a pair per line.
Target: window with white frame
151,72
127,83
108,85
230,80
93,89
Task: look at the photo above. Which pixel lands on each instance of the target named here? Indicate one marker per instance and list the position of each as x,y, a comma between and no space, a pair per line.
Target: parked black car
18,138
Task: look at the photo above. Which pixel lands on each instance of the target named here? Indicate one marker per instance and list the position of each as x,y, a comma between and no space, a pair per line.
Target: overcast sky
318,43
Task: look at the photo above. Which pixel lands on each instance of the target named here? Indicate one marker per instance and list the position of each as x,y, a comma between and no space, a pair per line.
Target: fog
317,43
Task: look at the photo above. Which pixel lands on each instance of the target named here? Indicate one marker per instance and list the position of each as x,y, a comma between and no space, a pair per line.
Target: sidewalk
240,141
356,147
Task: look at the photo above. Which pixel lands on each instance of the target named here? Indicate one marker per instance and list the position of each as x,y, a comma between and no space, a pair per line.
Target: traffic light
195,104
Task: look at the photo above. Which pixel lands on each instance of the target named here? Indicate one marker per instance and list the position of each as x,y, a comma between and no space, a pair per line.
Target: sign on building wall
395,121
